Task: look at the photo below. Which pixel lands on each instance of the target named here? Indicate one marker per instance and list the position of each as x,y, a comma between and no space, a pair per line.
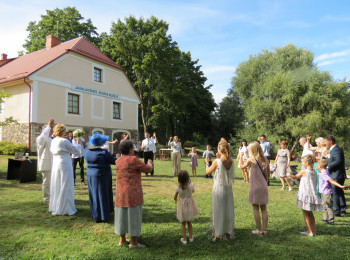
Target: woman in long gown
258,188
99,178
222,201
62,179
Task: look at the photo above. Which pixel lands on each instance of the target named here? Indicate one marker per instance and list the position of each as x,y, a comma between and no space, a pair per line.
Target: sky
220,34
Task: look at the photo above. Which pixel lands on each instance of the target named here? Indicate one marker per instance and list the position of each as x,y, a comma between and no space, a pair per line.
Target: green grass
28,231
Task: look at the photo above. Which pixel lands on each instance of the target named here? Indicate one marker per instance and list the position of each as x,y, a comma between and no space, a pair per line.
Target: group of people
55,163
322,177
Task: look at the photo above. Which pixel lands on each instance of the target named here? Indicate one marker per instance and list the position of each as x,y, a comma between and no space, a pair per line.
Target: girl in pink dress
187,207
193,162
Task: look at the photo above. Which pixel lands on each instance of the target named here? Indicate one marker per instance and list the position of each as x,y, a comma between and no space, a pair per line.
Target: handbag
262,172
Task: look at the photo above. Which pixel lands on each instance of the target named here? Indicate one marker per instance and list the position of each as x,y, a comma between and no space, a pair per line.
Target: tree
66,24
167,81
285,96
229,116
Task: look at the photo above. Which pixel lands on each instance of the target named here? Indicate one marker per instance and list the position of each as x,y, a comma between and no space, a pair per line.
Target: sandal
264,233
257,232
135,246
191,239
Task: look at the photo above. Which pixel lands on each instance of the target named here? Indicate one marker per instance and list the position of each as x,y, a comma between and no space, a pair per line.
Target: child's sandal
257,232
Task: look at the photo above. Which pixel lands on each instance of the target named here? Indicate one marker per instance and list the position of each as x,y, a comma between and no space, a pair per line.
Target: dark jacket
336,163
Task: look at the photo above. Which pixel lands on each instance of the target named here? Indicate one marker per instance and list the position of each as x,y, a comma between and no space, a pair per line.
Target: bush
8,148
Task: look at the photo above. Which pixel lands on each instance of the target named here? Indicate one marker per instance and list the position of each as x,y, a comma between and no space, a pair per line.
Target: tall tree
229,116
167,80
65,23
285,96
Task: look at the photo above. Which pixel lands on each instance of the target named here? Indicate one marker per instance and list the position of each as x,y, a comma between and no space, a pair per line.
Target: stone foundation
18,133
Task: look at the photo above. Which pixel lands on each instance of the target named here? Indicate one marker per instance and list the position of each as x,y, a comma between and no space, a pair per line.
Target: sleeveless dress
222,201
187,207
282,161
244,150
307,198
258,189
194,162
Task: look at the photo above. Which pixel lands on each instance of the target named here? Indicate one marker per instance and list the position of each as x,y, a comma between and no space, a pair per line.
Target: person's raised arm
308,138
169,143
209,170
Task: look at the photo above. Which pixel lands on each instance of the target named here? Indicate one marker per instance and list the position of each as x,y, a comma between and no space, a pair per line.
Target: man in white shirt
304,144
43,143
148,146
265,146
79,158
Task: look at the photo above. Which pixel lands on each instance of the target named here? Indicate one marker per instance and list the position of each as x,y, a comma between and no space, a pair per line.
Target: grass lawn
28,231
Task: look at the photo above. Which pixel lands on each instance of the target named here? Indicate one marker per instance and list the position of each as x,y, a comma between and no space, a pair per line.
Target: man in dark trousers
336,168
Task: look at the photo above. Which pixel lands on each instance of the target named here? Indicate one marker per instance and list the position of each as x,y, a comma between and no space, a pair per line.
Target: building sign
95,92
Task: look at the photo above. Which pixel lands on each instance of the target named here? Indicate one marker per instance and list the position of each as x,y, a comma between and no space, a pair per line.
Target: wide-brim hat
97,139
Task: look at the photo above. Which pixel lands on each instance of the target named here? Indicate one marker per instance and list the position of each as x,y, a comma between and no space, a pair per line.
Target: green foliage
8,148
285,97
70,24
229,117
169,83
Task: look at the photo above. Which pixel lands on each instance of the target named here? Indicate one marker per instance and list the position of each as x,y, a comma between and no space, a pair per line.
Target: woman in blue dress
99,178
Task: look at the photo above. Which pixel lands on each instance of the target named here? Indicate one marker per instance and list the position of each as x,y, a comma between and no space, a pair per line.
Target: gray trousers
46,185
176,163
327,204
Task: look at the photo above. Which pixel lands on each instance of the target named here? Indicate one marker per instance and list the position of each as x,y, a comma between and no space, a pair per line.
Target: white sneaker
290,189
191,239
183,241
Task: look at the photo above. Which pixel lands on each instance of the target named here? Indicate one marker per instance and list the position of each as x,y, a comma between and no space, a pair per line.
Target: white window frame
69,91
121,110
103,72
93,107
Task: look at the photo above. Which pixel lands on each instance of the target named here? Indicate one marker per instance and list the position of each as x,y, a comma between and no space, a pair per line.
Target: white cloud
325,63
327,56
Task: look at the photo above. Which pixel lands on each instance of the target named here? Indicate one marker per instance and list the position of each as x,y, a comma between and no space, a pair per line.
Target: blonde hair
255,151
323,163
224,148
309,159
320,140
59,130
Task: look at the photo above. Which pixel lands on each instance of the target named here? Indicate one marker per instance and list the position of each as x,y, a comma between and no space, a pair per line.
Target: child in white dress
187,207
307,198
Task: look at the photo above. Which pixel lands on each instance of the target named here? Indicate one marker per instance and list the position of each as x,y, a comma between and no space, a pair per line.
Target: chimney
52,41
3,56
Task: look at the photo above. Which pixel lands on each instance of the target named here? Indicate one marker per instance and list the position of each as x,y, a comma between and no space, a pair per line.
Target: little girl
187,207
193,162
307,198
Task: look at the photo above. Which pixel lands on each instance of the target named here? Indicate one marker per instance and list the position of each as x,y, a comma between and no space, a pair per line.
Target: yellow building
72,82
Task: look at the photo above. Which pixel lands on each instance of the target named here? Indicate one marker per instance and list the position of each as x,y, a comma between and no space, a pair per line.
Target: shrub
8,148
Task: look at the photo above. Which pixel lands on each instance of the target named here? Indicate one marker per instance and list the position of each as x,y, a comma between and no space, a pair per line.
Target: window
73,103
116,110
97,74
1,108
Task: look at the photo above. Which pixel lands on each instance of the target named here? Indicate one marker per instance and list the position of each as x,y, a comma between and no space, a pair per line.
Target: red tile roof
27,64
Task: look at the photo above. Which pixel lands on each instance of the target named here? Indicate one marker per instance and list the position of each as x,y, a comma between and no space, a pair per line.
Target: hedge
9,148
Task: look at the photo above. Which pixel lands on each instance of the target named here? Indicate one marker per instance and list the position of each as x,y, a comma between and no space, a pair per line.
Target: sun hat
97,139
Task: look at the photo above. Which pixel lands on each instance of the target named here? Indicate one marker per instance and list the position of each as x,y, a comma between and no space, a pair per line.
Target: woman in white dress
222,201
62,180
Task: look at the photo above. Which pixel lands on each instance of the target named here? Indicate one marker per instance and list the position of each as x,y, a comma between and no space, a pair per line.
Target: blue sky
220,34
